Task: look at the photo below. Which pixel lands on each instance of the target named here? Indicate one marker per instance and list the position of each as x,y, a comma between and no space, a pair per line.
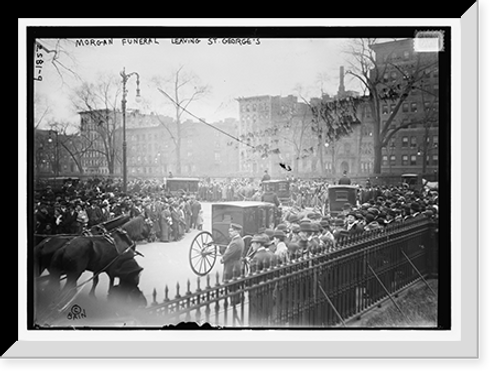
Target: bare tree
100,104
58,53
181,89
72,141
382,90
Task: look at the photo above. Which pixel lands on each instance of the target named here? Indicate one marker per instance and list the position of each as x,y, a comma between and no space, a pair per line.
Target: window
404,160
393,160
385,109
413,142
386,77
393,107
435,159
435,141
405,107
404,142
347,148
414,107
413,160
427,106
384,160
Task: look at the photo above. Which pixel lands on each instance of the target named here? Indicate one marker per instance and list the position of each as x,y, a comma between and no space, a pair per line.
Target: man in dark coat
266,176
345,180
262,258
270,197
195,210
233,254
95,214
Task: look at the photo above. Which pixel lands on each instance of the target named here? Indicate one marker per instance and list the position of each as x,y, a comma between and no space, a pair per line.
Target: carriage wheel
246,255
202,253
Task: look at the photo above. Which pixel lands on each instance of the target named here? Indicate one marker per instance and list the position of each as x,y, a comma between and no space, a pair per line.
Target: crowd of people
302,228
76,207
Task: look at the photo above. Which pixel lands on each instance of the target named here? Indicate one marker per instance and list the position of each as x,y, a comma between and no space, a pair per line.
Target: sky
263,67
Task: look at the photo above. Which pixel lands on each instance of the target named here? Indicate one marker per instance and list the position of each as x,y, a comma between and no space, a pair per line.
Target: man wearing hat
326,235
338,227
233,253
305,234
261,257
281,252
294,234
352,223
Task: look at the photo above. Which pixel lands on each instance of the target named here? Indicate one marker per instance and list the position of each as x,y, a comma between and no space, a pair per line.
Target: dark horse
138,228
93,253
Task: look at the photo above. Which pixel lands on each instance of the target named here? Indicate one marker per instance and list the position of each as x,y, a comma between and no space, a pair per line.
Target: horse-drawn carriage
254,217
339,195
281,187
182,186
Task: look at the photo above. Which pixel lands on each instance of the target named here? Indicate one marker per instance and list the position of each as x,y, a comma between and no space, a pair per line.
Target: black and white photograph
239,178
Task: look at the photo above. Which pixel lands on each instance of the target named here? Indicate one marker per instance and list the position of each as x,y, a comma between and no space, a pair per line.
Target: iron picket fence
325,287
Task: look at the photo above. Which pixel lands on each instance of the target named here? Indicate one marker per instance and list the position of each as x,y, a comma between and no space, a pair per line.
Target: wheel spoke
198,264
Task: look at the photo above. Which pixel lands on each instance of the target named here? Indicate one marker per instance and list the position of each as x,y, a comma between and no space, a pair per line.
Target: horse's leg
70,286
111,282
95,281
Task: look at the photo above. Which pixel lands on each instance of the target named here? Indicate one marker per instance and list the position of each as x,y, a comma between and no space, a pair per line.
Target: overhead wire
204,122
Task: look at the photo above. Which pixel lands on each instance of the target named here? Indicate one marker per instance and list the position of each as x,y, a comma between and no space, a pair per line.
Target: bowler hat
279,233
261,238
269,232
338,222
369,218
306,227
282,227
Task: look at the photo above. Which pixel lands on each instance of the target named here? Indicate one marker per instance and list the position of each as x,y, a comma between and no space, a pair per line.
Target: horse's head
123,242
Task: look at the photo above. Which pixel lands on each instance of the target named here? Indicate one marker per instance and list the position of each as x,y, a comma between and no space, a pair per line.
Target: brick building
151,147
416,147
288,125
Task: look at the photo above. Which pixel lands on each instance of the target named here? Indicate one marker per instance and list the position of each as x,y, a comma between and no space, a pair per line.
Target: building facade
52,159
151,146
288,125
414,148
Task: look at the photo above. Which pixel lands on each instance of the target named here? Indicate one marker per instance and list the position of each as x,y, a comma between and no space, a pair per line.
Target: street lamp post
125,78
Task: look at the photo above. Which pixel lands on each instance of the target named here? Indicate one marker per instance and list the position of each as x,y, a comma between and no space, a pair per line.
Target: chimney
341,91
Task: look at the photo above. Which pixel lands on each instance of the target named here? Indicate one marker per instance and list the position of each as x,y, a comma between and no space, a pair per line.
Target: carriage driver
233,253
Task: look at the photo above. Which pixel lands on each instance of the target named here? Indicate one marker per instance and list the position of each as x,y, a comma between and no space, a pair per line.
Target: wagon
254,217
339,195
279,186
411,179
182,186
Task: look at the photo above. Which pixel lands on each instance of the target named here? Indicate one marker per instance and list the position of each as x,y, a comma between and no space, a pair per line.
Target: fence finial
208,281
166,294
198,289
178,287
154,297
